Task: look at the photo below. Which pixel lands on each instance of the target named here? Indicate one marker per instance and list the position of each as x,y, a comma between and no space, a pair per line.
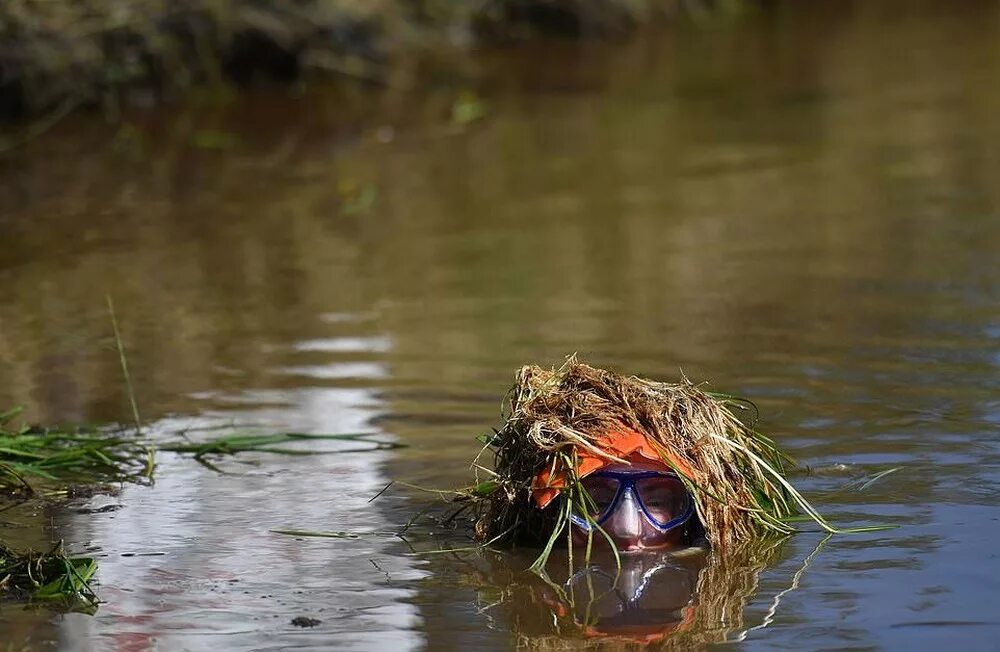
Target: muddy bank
55,56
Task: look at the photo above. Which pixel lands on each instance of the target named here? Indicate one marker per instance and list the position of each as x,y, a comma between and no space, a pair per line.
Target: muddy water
801,207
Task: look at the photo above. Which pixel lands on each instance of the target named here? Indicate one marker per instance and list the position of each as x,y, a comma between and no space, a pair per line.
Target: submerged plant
48,576
735,474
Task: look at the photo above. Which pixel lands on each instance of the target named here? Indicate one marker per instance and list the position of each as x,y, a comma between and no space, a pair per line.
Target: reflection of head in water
649,598
673,601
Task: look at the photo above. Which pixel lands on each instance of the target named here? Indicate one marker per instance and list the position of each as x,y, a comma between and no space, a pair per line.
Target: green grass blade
321,534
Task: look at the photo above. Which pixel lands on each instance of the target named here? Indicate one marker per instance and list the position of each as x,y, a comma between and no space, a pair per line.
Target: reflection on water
800,206
213,566
647,600
669,600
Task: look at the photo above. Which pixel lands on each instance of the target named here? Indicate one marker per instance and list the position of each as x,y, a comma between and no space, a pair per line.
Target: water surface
801,207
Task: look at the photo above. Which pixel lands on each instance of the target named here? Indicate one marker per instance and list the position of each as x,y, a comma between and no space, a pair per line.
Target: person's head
639,504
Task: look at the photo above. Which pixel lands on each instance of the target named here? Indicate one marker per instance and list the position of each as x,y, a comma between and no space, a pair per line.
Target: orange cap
621,443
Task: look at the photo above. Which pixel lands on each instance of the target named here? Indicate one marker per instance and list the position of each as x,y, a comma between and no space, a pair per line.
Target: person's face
627,525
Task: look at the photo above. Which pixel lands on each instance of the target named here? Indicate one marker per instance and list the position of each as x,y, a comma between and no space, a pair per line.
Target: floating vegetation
357,198
66,456
467,108
323,534
273,443
73,462
77,461
32,457
48,576
735,474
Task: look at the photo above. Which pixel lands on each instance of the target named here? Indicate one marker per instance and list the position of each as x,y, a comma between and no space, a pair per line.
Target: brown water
801,207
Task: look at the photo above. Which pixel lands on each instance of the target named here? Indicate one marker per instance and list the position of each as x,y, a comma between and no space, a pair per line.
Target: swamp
254,328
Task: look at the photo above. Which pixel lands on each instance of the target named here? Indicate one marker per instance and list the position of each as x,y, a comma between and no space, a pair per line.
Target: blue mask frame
626,482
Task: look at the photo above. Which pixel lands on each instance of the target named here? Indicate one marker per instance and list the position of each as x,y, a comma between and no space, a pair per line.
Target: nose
625,525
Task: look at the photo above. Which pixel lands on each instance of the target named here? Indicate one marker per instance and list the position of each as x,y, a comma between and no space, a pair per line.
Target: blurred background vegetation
58,55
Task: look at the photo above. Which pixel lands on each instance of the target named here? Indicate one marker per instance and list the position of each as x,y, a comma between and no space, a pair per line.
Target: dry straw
736,474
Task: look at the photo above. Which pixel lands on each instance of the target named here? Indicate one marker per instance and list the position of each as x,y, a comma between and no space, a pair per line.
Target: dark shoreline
56,57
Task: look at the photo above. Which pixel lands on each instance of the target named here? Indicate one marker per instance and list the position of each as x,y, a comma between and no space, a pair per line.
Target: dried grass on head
736,474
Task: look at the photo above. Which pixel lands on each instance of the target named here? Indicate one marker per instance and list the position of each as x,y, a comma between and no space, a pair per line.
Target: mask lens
664,498
602,492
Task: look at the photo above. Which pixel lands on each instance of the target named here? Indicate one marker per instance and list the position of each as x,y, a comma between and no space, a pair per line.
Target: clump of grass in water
47,461
31,455
49,576
68,455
